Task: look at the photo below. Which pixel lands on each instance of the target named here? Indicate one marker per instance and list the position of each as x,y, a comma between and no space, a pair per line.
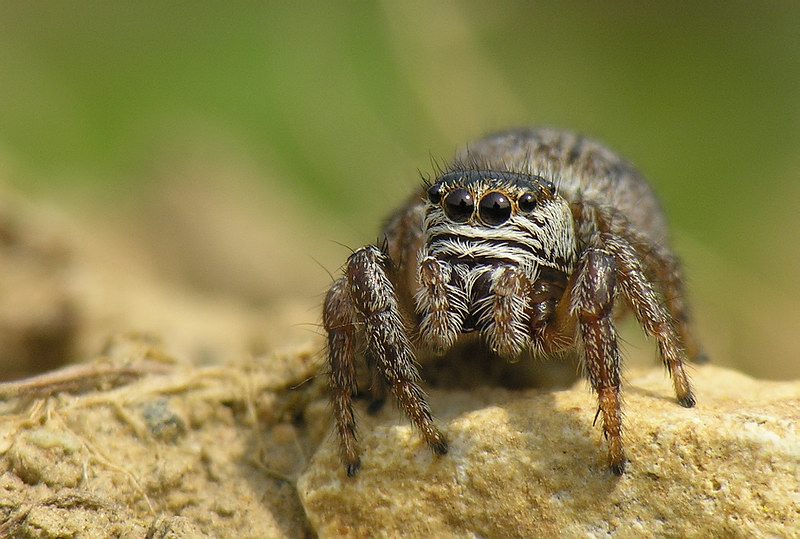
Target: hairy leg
338,317
666,270
592,304
377,390
659,265
652,316
628,248
376,304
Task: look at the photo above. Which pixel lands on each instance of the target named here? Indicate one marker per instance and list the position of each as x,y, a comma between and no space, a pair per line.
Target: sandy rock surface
527,464
142,444
137,443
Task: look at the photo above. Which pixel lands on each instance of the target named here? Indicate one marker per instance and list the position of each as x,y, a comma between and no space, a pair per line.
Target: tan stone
185,451
530,464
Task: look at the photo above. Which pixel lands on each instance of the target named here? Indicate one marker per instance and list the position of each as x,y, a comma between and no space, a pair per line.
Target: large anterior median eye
458,205
495,208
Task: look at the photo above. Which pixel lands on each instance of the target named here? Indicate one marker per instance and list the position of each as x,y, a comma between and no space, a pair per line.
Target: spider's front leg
368,293
593,305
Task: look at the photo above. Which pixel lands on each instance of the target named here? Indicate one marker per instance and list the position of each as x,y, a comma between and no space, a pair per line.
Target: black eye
494,208
458,205
527,202
435,193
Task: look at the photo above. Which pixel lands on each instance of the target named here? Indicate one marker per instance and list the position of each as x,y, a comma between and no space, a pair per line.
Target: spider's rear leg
338,317
668,271
376,303
652,316
592,303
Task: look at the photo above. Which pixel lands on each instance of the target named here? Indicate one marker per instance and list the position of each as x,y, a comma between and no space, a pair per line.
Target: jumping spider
529,238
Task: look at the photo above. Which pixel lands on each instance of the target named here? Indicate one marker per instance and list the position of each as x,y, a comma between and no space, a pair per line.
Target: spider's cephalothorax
490,236
530,240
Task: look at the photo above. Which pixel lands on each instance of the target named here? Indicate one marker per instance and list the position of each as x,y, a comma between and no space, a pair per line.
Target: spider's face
491,218
485,198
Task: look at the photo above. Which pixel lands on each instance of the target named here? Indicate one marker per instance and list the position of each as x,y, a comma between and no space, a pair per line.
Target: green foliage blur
346,101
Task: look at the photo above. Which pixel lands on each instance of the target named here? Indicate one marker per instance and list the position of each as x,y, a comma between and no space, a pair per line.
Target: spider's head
488,198
473,215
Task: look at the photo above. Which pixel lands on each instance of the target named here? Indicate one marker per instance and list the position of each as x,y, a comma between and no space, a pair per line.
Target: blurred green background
332,108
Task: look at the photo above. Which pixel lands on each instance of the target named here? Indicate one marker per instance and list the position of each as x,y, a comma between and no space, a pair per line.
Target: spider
536,240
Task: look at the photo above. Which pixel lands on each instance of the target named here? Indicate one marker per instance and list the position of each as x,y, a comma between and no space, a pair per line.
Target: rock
48,456
177,451
173,528
172,449
529,463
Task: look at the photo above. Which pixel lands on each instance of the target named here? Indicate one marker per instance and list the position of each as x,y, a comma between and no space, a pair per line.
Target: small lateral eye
495,208
435,193
459,205
527,202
